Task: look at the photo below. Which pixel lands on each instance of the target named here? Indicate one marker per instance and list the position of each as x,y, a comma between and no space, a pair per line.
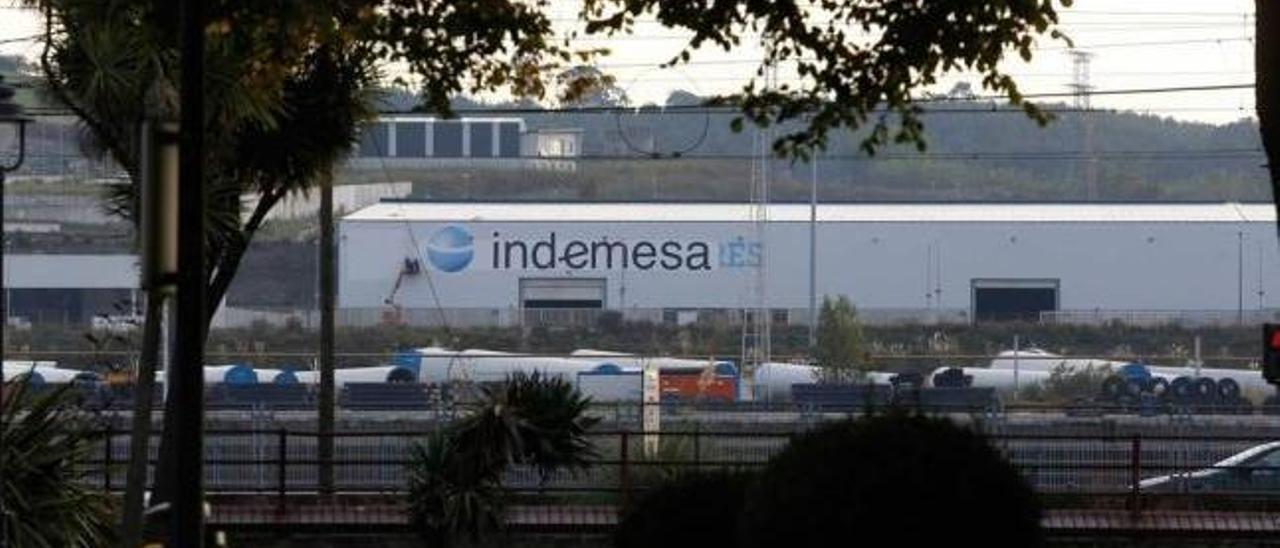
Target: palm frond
45,488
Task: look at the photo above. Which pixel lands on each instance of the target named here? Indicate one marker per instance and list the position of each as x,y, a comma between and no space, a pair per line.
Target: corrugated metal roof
899,212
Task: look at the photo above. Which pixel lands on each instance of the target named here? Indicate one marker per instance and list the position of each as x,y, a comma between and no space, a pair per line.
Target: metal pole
623,477
282,458
813,256
1240,277
1016,364
4,395
186,525
13,114
1198,363
1135,476
159,219
325,447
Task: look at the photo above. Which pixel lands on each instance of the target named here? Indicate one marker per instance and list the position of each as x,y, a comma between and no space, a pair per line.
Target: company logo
450,249
554,252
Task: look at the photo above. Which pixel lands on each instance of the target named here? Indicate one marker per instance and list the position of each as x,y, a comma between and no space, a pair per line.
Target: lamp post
10,115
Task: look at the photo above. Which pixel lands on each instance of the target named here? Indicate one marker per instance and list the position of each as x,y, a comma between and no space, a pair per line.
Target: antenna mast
1081,90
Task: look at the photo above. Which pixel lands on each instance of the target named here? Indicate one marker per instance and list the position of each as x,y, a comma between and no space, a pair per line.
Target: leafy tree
535,420
840,350
858,62
916,480
282,106
46,492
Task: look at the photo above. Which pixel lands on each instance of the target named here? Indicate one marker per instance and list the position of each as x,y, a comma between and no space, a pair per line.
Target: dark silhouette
893,480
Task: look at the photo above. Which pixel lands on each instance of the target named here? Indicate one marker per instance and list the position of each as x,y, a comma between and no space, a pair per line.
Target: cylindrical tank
1003,380
476,365
1034,359
230,374
773,380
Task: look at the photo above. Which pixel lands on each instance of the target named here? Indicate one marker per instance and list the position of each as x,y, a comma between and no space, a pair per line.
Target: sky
1135,44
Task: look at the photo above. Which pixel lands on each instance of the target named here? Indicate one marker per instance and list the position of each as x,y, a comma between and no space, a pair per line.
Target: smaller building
421,137
69,289
552,143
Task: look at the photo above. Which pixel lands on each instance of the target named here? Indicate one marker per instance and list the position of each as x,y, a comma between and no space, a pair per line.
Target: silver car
1254,469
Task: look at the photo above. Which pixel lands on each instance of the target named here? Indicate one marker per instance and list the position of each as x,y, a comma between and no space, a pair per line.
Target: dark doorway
1013,300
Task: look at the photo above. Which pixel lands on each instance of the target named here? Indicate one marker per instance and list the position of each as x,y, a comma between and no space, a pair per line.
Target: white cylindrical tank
476,365
383,373
773,380
632,360
1035,359
1039,360
45,371
1003,380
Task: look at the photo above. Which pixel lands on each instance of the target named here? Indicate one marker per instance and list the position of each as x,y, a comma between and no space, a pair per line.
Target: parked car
1254,469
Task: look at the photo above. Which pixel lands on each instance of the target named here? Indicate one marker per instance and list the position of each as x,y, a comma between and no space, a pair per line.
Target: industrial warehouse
486,263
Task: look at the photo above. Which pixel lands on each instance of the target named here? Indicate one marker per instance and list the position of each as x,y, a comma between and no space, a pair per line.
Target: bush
47,496
910,480
455,479
689,510
1066,385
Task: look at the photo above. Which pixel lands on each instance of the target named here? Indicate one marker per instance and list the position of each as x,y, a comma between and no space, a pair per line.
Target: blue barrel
240,374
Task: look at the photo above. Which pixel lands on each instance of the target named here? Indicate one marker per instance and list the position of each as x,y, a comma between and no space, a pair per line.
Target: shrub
910,480
47,497
689,510
455,479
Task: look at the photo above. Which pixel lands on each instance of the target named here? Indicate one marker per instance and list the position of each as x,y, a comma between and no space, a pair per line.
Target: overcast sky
1136,44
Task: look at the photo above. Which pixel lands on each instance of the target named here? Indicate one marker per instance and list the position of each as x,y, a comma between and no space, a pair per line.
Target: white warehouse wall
1118,256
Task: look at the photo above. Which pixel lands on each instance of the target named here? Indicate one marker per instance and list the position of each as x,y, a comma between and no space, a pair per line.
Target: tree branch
229,262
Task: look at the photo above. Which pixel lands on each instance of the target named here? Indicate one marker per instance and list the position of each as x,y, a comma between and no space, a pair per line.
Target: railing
283,463
1149,318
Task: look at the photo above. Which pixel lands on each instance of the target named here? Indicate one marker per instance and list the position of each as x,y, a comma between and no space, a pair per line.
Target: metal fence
284,463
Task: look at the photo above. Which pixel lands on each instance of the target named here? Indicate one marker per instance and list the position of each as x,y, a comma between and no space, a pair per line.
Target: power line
699,109
1131,155
653,110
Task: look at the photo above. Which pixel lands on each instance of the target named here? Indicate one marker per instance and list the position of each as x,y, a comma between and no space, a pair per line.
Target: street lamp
10,115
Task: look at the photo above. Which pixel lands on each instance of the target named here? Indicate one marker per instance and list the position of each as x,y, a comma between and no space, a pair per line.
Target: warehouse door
1012,299
548,293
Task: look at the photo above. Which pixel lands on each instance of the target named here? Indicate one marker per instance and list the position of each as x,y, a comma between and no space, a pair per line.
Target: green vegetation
840,350
47,493
455,485
1067,385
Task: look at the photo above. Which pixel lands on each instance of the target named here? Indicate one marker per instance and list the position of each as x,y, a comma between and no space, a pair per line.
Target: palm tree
44,443
280,113
535,420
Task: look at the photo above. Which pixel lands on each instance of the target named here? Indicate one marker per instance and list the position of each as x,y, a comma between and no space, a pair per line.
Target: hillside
976,152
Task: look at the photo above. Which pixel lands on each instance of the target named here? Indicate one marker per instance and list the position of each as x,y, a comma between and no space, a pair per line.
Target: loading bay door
1012,299
544,293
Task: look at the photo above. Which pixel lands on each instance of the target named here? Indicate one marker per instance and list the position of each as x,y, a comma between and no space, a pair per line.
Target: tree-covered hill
976,152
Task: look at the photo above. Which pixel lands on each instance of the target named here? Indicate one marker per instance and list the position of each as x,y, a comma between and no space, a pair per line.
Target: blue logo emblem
450,249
